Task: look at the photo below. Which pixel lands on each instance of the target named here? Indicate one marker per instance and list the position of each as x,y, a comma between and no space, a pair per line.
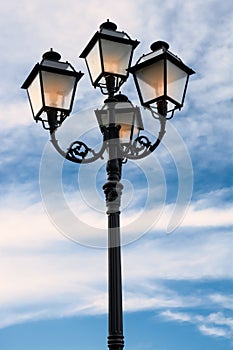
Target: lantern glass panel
116,57
34,92
58,89
131,124
124,116
151,81
176,80
126,121
125,133
93,62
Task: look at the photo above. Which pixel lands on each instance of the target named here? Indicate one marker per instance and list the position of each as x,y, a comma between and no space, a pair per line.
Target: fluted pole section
113,190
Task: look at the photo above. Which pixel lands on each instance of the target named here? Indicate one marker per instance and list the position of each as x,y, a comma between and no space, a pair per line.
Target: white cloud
176,316
224,301
47,276
219,319
213,331
152,295
215,324
16,115
208,218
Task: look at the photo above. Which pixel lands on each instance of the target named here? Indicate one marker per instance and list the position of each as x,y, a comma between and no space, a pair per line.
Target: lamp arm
78,151
142,146
161,134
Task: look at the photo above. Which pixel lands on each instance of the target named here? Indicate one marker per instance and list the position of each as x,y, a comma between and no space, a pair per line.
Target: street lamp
108,55
161,81
51,87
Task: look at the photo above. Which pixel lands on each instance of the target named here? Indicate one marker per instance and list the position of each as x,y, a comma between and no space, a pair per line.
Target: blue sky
177,204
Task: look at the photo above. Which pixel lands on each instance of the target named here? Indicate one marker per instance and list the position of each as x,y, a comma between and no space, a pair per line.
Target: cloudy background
177,280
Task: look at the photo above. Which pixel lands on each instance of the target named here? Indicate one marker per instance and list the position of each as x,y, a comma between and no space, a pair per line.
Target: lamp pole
113,190
161,80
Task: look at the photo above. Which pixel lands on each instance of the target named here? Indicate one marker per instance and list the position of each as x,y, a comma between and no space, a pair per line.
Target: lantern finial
51,55
108,25
121,98
157,45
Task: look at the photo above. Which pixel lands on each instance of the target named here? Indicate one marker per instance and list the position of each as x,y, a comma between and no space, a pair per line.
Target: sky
177,203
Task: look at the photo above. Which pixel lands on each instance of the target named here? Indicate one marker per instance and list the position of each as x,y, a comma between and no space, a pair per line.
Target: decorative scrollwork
78,151
140,145
143,141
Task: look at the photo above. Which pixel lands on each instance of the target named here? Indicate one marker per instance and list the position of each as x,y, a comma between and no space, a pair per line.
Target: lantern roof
108,31
159,50
51,63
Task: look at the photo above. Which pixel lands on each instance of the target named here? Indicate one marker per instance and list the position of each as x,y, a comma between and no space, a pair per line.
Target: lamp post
161,81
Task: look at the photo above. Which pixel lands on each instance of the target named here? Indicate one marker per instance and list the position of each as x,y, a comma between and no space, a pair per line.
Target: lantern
108,56
51,87
161,78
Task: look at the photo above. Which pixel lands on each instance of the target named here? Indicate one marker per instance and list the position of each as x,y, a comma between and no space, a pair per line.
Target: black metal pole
115,322
113,189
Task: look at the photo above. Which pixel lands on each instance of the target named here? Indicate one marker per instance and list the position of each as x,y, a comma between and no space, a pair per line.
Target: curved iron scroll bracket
142,146
78,151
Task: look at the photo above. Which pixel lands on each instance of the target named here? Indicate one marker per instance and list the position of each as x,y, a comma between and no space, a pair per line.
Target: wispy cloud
39,264
224,301
214,324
